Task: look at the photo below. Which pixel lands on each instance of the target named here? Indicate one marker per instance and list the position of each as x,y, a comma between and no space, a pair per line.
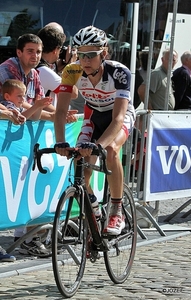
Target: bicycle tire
119,259
68,246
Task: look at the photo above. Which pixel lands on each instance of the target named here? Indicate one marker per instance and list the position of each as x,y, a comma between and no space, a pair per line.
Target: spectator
13,92
52,39
75,104
157,93
16,118
182,83
22,67
158,85
29,51
66,55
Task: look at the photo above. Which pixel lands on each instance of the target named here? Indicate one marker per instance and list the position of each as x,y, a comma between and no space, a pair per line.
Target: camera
63,53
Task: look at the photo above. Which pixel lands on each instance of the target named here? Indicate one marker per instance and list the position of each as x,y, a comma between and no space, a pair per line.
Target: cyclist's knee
112,153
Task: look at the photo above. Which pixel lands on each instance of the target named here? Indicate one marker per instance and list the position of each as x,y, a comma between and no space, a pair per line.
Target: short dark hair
51,37
27,38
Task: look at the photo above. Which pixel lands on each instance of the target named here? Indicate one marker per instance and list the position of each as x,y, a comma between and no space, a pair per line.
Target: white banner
182,40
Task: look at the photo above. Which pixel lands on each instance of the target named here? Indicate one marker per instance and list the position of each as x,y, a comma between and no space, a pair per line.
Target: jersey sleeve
121,77
70,76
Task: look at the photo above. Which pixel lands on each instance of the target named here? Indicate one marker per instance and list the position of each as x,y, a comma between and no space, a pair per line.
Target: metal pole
146,99
150,56
175,7
127,147
134,46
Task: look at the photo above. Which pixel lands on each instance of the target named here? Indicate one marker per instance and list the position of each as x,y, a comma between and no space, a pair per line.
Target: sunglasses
90,54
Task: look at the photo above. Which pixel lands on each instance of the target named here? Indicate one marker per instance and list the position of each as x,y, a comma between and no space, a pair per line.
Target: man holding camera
66,54
53,39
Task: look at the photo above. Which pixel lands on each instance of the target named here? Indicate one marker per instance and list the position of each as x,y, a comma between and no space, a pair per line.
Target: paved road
161,270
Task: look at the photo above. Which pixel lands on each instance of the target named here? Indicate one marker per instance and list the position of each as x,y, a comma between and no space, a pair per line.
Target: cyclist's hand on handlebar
85,149
63,149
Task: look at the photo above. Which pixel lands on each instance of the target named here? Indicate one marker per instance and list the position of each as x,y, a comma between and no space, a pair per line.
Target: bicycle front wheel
119,259
69,244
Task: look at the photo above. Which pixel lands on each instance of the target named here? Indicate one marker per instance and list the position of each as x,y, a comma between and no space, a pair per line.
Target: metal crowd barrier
135,165
133,160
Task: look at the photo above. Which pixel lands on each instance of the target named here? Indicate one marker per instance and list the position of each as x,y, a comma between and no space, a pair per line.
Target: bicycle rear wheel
69,244
119,259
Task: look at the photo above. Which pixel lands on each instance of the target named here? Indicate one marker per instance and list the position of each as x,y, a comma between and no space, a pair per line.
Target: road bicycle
77,235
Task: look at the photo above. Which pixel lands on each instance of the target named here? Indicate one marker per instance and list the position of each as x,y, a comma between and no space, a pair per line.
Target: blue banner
171,160
29,197
168,156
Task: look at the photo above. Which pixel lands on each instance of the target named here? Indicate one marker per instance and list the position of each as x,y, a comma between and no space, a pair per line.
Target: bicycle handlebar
98,151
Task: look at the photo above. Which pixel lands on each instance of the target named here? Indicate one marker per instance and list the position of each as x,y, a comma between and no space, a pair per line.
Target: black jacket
181,81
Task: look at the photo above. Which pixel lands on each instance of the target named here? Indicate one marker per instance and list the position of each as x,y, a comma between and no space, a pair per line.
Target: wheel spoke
69,250
119,258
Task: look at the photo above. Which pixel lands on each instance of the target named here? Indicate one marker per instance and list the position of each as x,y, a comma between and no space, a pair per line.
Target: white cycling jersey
99,100
115,83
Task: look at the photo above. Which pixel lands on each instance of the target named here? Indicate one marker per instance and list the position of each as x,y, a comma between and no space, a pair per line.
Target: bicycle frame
85,204
79,242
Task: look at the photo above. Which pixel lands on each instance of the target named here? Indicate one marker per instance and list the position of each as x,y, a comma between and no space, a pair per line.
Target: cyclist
108,113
